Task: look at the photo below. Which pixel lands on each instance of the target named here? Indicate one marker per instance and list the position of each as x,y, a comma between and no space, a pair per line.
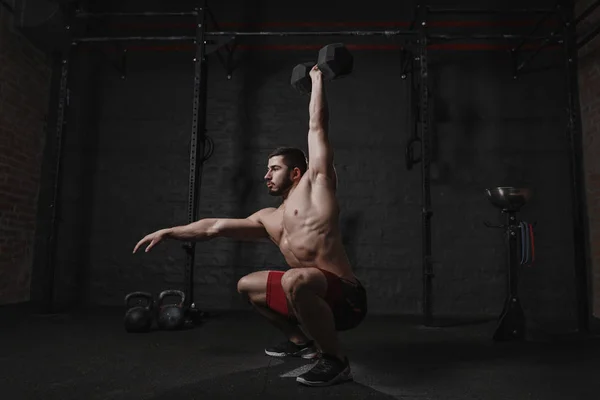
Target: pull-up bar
136,14
135,39
433,10
194,13
385,33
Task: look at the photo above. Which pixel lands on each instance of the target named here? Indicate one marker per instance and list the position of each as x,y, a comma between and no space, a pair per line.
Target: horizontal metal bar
321,34
484,11
587,12
134,39
587,38
315,33
233,34
489,37
189,47
136,14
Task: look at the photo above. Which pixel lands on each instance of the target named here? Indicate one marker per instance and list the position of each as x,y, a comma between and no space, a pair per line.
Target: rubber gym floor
90,356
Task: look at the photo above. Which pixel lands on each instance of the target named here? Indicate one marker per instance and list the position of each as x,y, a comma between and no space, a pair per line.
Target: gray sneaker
290,349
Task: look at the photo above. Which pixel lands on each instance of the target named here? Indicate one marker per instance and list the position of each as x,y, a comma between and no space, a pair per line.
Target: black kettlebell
171,316
138,318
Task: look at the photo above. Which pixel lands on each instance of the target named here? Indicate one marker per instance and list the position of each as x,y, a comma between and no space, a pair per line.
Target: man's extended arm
320,153
210,228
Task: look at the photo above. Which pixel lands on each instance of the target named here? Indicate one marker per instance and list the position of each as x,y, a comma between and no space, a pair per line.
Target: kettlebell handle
144,295
177,293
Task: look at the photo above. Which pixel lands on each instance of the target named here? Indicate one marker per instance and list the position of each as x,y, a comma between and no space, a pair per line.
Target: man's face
278,177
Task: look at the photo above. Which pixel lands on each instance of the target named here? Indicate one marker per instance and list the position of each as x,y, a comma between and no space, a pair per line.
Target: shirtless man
319,295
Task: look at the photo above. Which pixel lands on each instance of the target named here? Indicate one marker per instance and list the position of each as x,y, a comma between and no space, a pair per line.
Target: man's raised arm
209,228
320,153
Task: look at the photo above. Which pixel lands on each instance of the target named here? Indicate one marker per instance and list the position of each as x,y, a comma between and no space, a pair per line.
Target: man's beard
283,188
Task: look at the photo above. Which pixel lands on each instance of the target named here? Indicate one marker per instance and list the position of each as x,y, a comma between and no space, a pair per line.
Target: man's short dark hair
293,157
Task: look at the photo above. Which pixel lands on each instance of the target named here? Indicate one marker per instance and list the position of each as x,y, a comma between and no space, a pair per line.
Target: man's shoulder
263,213
328,180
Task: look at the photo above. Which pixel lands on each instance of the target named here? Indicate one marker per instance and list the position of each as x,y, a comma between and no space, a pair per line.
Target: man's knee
251,290
294,281
243,286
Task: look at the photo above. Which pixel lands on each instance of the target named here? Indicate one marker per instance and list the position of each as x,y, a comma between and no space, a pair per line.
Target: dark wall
589,87
25,72
490,129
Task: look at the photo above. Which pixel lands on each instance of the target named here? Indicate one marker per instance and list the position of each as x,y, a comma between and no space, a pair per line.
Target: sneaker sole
305,355
343,376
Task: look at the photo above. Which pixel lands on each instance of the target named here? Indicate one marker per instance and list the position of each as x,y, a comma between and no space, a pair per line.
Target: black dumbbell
334,61
301,79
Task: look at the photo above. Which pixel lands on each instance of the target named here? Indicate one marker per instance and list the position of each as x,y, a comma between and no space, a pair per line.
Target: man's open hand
153,239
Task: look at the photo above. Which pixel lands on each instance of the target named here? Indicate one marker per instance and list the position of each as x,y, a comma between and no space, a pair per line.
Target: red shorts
347,299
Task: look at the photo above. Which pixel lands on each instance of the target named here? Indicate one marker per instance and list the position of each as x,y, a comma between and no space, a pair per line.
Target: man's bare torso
306,227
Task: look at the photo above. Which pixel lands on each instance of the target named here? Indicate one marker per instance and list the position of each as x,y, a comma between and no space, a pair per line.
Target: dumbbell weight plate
301,79
335,60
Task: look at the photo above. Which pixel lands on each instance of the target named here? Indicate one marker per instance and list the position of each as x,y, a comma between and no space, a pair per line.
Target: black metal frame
56,176
512,320
481,11
425,138
518,67
417,60
197,144
574,137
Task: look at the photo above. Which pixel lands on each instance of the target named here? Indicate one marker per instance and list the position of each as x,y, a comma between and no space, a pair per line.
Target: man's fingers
151,245
140,243
152,239
137,246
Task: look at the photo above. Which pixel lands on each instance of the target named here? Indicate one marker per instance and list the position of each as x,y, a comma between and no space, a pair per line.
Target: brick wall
589,86
24,85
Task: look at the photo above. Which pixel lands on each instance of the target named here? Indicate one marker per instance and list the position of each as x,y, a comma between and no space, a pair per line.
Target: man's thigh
254,285
263,288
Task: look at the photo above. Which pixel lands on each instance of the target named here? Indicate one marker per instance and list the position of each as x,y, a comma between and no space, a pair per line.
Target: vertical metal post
426,212
574,136
56,173
511,325
56,177
197,141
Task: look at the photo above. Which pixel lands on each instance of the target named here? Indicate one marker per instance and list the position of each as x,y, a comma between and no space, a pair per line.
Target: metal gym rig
418,40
